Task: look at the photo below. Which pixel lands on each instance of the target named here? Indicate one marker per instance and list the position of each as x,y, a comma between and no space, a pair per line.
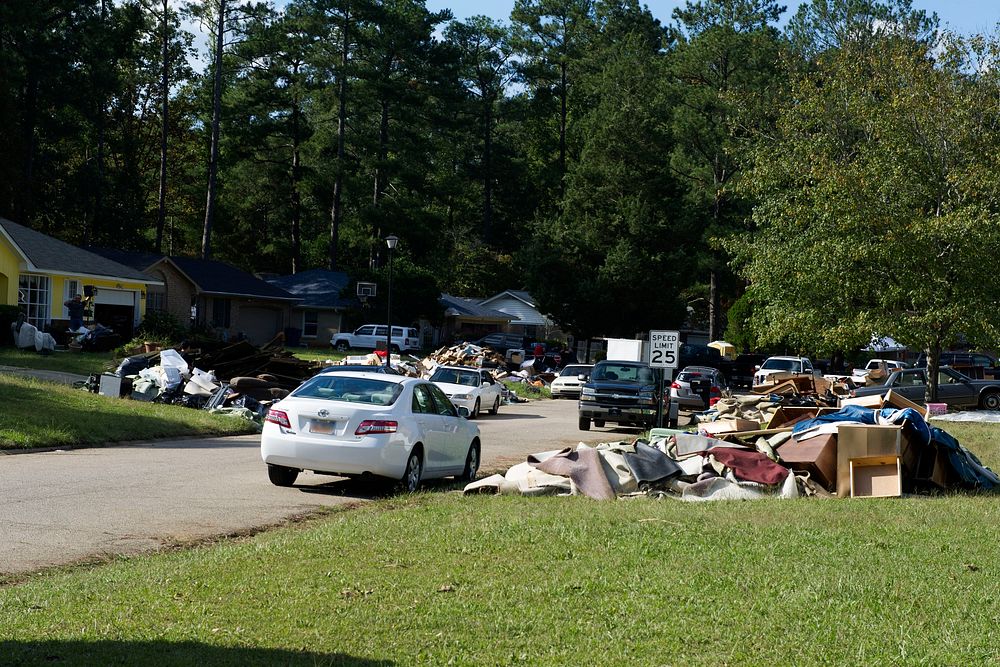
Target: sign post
663,352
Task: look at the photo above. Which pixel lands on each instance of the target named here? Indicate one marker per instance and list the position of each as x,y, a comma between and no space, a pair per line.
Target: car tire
472,460
496,406
584,423
394,349
341,346
414,470
475,410
599,423
281,475
990,401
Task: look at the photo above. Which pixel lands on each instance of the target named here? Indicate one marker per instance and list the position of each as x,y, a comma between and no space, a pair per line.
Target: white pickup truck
369,336
886,365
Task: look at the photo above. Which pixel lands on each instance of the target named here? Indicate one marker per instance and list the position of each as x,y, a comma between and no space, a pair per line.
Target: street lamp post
390,241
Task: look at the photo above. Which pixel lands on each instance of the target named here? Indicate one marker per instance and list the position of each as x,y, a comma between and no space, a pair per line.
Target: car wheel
471,463
394,349
584,423
496,406
281,476
341,346
599,423
414,467
475,410
991,401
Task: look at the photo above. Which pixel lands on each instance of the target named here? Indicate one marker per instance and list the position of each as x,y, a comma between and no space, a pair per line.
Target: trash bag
132,366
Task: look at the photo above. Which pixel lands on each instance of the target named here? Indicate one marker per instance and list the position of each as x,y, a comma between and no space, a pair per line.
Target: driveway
74,505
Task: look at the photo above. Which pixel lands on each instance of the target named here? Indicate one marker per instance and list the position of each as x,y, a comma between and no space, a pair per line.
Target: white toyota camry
356,423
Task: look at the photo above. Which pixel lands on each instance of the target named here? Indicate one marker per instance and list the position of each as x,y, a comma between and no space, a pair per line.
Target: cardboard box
729,426
876,477
787,415
894,399
816,456
873,402
861,441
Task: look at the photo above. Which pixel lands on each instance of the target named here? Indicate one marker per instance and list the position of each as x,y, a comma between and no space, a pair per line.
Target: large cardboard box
816,455
787,415
876,477
873,402
894,399
861,441
729,426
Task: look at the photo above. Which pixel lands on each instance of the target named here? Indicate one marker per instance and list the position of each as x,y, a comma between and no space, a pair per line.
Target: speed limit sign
663,348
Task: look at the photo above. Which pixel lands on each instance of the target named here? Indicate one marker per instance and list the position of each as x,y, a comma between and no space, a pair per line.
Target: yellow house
39,273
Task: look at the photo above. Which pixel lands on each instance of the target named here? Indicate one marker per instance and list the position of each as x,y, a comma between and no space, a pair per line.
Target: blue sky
964,16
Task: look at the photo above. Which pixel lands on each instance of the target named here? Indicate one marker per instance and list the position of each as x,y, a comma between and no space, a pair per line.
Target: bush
161,327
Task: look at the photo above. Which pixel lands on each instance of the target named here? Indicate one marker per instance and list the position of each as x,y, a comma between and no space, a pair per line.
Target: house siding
524,314
178,290
10,269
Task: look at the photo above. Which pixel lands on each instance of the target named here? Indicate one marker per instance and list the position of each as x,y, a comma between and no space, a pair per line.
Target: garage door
259,324
115,297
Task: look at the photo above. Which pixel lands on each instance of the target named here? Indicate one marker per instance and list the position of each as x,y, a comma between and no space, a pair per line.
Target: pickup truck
623,392
955,389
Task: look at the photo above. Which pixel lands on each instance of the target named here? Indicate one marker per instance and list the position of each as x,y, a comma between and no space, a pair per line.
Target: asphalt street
76,505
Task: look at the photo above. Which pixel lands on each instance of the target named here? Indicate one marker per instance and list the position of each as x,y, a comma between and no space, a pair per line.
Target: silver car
568,383
688,399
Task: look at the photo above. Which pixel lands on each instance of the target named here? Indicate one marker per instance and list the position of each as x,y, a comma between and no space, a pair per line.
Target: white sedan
568,383
361,424
470,388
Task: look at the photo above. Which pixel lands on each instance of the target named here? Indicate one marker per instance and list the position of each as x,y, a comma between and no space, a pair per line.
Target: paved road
69,506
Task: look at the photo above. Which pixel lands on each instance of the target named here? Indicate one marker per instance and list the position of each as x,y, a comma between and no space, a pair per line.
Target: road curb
122,443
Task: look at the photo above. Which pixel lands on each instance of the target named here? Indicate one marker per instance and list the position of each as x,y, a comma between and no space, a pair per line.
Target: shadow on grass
55,652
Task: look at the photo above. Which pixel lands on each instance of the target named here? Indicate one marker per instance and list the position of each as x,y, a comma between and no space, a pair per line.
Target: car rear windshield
782,365
687,377
336,387
455,376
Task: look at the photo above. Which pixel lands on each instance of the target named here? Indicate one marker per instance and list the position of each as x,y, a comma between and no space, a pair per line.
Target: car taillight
712,401
278,417
674,385
370,426
715,391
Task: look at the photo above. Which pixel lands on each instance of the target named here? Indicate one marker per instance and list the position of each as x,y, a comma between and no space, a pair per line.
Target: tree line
806,185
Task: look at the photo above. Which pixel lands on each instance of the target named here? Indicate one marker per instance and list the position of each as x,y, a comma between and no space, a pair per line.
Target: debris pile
820,451
467,355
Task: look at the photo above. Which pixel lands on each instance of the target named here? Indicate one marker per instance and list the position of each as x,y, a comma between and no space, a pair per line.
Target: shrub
8,315
161,327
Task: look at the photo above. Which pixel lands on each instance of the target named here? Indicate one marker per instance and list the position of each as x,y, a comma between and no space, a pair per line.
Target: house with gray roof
213,294
38,273
324,299
526,319
466,318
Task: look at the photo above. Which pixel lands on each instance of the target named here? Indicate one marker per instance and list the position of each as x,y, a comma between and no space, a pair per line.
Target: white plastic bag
173,359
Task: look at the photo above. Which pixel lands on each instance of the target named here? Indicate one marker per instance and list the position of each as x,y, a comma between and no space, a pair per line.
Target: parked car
567,384
684,388
774,365
501,342
360,424
886,365
954,388
623,392
470,388
370,336
360,368
978,364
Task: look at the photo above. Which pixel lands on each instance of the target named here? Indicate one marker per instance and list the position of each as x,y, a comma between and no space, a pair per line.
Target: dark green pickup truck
955,389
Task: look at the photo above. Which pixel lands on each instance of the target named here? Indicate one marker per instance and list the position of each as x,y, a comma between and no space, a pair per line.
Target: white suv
369,336
773,365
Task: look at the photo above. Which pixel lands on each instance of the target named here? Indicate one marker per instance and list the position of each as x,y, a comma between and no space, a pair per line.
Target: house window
221,309
156,301
33,298
310,323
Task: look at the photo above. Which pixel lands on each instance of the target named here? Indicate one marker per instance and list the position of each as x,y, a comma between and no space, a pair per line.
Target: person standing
75,306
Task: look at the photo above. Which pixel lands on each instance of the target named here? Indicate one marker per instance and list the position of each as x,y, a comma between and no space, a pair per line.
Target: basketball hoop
364,292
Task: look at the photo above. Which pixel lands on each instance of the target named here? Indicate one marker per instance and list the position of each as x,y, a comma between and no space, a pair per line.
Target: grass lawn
438,578
43,414
81,363
316,353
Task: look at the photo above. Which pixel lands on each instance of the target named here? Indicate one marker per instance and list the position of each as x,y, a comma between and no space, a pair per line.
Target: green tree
724,70
879,195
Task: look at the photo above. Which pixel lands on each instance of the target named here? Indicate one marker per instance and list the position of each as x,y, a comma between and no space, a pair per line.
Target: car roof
385,377
460,368
699,369
789,358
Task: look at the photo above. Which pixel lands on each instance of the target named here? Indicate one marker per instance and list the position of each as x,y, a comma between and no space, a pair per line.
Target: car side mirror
464,412
486,383
756,368
582,378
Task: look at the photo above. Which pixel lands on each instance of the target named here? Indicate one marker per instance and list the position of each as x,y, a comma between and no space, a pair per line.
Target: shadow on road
504,416
374,489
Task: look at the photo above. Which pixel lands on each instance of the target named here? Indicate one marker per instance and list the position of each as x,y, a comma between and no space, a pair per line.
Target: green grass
316,354
442,579
42,414
526,391
81,363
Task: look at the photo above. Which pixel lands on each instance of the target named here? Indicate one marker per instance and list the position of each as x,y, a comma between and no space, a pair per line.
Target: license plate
615,411
321,427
